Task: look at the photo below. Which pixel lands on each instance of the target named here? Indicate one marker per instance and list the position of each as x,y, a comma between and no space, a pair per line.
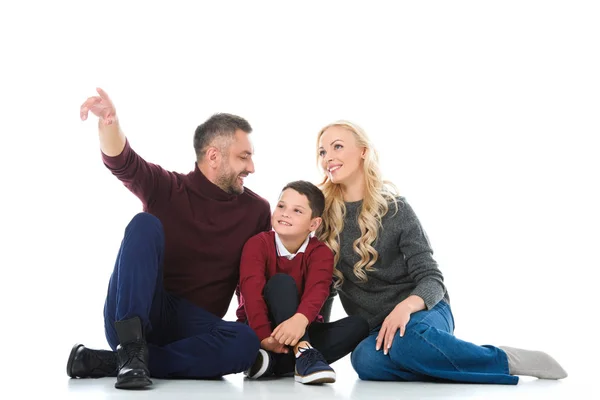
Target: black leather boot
132,354
88,363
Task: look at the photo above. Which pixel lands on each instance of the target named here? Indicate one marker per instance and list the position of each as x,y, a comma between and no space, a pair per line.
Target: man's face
236,164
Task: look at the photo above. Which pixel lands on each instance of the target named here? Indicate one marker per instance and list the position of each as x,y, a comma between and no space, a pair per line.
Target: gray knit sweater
405,265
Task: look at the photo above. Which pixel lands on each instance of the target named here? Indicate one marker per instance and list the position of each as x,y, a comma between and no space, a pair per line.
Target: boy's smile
292,216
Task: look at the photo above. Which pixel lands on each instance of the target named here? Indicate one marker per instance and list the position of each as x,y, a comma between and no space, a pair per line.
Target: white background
485,115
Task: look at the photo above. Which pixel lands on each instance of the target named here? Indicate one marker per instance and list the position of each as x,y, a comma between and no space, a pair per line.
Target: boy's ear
315,223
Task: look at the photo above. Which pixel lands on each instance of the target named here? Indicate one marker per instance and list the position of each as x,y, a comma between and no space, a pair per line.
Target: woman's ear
364,153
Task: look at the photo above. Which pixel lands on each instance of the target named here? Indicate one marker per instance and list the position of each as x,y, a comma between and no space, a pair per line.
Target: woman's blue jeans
429,351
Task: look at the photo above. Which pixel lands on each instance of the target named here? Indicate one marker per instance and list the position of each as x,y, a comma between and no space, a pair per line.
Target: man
178,265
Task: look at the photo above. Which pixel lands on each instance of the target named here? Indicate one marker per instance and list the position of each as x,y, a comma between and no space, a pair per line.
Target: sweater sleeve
253,267
263,225
144,179
317,281
422,268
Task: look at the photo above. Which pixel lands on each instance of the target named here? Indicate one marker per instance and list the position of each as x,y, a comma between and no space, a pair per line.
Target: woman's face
341,158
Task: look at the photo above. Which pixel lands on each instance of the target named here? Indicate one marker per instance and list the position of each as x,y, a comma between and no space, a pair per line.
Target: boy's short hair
316,199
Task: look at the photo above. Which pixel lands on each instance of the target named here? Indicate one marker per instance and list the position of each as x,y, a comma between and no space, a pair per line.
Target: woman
385,272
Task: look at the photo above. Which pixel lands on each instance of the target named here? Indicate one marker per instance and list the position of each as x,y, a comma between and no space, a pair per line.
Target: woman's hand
397,320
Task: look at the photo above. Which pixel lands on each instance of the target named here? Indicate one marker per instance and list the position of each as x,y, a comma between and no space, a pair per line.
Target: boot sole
134,383
72,360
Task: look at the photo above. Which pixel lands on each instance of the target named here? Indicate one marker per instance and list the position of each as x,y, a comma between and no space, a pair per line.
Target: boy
285,276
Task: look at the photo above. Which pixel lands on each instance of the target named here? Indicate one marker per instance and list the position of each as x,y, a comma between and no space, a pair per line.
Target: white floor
37,342
54,382
237,387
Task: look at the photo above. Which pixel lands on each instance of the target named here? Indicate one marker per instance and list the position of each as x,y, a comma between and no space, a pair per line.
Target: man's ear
315,223
213,157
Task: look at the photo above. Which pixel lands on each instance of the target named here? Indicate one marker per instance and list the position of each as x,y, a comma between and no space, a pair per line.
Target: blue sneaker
263,365
312,368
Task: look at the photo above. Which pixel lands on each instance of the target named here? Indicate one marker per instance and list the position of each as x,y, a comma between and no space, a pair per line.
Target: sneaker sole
263,368
72,360
317,377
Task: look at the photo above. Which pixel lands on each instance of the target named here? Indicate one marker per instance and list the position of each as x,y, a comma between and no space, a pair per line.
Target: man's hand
272,345
112,139
101,106
291,330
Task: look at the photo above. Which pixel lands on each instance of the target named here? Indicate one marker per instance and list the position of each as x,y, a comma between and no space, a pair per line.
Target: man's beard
228,183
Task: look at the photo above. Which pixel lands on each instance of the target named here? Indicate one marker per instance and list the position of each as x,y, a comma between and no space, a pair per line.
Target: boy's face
292,215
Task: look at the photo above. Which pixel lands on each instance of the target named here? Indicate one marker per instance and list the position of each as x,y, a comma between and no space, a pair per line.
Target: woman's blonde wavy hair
378,195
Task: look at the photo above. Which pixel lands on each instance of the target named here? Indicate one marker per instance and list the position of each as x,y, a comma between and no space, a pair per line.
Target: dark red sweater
312,271
205,227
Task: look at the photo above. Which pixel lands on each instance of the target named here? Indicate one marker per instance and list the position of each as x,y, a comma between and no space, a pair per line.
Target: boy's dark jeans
333,339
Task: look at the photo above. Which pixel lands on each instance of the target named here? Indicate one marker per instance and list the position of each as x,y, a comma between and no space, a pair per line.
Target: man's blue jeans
429,351
184,340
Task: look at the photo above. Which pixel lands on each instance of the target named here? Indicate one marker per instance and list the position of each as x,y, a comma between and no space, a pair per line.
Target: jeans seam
430,312
440,351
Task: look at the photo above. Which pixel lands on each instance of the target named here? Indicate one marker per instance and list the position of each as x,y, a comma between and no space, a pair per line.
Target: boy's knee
280,284
281,279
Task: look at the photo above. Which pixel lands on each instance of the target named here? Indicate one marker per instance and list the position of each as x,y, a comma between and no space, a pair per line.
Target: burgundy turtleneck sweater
205,227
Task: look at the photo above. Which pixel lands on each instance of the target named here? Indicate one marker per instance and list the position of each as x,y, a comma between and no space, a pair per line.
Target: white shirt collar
282,251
